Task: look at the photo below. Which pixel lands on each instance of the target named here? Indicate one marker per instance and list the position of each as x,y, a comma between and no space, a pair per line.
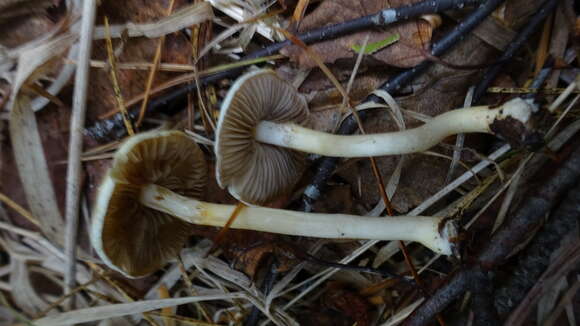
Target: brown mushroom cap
130,237
255,172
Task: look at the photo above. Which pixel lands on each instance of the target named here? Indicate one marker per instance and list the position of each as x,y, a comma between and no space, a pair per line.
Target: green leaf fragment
376,46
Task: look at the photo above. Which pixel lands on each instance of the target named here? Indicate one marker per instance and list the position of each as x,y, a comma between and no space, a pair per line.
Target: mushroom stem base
435,233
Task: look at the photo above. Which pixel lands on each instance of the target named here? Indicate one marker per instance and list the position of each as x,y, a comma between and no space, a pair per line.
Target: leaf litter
31,253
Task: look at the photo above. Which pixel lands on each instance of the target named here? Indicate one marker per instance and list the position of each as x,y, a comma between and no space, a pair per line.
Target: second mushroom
262,130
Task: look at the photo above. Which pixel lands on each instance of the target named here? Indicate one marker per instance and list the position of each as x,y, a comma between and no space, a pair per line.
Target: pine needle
115,81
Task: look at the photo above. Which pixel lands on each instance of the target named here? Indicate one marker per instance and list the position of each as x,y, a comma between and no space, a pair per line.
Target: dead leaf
414,35
339,306
348,302
515,13
25,19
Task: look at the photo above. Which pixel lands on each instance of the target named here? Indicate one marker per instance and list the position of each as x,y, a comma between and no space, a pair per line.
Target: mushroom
262,126
148,198
129,236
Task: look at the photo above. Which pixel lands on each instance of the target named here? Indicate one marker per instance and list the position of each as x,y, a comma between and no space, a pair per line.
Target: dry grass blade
511,192
124,309
26,298
549,300
299,11
356,64
115,81
572,104
397,113
33,168
240,14
32,58
460,138
21,210
28,150
218,39
460,180
172,67
563,304
188,16
77,123
194,257
560,99
19,231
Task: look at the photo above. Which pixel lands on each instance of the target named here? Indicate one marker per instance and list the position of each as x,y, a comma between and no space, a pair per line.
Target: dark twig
536,258
565,261
327,165
513,48
482,302
104,129
446,294
540,199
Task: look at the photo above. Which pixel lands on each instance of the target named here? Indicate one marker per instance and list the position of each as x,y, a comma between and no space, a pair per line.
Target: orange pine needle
299,11
224,231
115,80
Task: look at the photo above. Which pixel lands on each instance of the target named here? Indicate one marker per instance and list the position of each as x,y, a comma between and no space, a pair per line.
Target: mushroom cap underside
252,171
130,237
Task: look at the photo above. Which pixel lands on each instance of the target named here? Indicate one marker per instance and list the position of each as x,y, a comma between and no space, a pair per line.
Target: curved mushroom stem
469,120
435,233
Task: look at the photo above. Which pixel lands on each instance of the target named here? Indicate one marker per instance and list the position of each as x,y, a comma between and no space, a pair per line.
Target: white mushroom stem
469,120
432,232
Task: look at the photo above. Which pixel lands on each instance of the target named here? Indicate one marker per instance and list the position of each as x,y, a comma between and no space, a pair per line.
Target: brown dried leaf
249,250
348,302
515,13
405,53
13,11
340,306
